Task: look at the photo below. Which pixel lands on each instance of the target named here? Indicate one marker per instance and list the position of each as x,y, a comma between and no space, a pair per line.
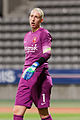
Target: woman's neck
34,30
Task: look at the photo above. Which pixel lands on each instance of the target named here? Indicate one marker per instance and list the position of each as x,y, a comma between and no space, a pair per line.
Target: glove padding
28,73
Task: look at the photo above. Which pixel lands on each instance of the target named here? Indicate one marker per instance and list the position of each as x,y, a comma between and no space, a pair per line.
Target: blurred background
62,19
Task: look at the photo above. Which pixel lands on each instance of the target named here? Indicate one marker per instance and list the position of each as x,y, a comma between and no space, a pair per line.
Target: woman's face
35,19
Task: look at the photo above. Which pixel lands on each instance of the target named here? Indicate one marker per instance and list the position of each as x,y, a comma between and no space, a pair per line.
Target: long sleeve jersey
37,44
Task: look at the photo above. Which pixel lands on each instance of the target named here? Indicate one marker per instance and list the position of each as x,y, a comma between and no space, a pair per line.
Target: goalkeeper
35,83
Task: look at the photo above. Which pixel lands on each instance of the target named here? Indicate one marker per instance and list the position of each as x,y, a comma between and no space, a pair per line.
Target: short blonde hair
39,11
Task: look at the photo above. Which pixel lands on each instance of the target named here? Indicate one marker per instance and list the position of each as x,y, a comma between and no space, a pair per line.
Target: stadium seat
62,19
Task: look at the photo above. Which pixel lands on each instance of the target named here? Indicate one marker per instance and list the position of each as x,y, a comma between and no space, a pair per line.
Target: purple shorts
36,90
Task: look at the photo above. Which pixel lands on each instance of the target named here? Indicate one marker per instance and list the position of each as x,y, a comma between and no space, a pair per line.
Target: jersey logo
34,39
32,48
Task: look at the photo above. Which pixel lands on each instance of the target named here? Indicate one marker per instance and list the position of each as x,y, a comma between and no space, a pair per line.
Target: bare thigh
19,110
43,112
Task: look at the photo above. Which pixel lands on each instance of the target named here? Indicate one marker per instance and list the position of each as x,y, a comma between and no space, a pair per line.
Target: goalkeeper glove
28,73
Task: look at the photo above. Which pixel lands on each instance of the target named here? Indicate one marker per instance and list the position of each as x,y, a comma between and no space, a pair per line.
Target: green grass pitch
35,116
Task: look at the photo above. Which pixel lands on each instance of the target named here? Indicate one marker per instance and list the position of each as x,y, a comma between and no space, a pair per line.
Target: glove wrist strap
35,64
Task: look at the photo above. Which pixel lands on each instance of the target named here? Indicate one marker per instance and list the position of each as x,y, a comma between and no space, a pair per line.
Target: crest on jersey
34,39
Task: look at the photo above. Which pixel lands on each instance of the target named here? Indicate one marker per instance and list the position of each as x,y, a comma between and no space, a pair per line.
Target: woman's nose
33,18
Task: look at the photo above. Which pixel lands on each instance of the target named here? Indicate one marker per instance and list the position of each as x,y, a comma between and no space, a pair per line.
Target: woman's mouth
32,23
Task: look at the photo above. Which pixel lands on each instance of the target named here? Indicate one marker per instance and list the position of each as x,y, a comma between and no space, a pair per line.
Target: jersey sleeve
46,47
46,44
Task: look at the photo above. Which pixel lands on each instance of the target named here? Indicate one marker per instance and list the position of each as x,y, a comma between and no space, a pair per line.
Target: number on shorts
43,95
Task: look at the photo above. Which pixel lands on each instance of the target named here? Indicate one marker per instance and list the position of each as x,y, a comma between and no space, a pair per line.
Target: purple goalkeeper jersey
34,45
38,88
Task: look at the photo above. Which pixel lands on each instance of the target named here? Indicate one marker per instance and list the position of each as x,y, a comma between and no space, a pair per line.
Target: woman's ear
41,20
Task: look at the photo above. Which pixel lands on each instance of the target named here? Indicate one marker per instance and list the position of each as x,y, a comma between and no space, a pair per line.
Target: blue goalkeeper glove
28,73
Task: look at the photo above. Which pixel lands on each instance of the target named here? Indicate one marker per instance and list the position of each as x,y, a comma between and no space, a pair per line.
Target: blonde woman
35,83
